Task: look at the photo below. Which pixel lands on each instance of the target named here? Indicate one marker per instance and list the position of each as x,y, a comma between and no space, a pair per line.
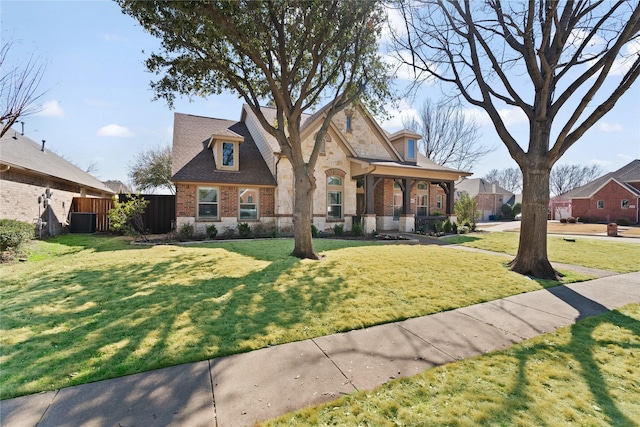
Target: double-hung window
624,204
248,200
422,199
207,203
334,197
439,201
600,204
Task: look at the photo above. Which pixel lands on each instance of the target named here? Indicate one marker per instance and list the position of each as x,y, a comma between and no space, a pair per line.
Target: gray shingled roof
192,161
475,186
20,152
624,175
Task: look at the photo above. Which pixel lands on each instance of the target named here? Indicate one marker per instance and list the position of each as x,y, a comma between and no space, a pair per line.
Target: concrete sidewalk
242,389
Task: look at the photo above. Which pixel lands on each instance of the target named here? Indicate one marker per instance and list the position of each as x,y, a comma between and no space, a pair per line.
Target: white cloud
51,109
513,116
396,116
115,131
610,127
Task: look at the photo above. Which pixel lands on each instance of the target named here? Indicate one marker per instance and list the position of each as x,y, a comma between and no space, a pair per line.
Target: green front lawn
583,375
87,308
621,257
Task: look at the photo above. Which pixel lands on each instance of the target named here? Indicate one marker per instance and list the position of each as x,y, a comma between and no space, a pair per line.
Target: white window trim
414,149
622,206
598,203
256,202
334,189
217,203
220,151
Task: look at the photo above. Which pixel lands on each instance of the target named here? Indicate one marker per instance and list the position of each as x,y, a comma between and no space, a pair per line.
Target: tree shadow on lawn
87,324
548,365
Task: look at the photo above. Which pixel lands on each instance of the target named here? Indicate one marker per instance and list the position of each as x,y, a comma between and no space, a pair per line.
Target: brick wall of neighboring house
490,204
612,195
19,199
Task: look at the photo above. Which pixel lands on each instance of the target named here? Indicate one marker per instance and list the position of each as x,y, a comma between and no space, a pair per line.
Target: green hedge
13,233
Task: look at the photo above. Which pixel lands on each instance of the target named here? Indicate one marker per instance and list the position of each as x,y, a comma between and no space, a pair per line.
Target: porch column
449,189
369,217
406,196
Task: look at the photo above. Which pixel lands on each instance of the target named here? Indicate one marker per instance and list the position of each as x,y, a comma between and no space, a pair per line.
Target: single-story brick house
611,197
488,195
28,171
227,172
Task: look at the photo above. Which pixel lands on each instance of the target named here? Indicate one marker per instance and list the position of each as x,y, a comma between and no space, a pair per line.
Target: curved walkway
243,389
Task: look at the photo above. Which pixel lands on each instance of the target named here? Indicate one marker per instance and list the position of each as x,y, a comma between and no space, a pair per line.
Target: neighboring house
611,197
488,195
29,174
117,186
228,172
559,207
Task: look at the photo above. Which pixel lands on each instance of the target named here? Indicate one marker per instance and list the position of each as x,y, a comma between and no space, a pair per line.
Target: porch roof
423,168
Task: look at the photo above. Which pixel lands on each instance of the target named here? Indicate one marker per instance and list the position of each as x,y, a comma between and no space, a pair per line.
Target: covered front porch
398,196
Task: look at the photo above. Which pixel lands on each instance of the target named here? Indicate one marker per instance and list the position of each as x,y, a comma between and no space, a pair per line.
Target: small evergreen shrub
244,229
186,232
516,209
623,221
507,211
338,229
563,220
571,220
14,233
454,227
314,230
437,226
212,231
357,230
446,227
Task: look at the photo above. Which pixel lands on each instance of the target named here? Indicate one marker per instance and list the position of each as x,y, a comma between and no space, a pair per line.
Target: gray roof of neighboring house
20,152
475,186
628,173
193,161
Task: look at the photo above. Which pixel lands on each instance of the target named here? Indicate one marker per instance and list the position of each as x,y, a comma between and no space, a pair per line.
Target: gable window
228,154
348,123
207,203
334,197
624,204
600,204
422,199
439,201
248,200
411,149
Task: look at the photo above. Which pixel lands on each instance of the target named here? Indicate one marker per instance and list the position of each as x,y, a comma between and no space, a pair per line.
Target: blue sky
97,107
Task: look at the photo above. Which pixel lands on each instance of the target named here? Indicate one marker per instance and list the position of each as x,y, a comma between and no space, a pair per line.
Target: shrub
467,209
463,230
126,217
563,220
338,229
437,226
436,213
186,232
314,230
507,211
623,221
357,230
446,227
454,227
244,229
571,220
516,209
261,229
212,231
14,233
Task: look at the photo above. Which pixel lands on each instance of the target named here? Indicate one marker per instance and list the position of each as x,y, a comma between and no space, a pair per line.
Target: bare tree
563,64
509,178
18,86
565,178
151,169
449,137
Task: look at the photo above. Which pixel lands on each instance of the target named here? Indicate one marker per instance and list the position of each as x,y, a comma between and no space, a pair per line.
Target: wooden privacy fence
158,218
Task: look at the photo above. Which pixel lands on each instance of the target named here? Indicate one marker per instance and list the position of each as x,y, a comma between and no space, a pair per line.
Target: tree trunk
532,257
302,214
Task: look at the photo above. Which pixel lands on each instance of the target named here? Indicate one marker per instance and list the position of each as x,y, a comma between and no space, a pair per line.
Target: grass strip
620,257
584,374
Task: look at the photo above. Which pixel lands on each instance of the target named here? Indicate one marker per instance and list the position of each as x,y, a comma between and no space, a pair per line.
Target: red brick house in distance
229,172
611,197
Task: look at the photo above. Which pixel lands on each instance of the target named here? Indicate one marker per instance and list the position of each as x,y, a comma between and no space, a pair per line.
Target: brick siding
612,194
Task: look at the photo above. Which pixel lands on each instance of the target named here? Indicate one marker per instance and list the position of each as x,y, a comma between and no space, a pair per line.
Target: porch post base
369,223
407,223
